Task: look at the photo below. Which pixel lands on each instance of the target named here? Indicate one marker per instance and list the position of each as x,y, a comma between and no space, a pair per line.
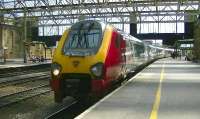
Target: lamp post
25,36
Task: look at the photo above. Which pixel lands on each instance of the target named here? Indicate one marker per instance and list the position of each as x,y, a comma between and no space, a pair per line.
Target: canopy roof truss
63,12
59,13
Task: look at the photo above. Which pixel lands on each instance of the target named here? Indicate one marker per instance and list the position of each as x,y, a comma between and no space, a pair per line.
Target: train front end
78,63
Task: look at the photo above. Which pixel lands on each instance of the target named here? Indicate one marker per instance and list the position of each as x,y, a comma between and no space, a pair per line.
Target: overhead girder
144,18
111,22
111,14
82,6
114,5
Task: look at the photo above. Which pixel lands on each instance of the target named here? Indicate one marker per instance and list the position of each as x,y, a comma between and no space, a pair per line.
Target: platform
10,63
166,89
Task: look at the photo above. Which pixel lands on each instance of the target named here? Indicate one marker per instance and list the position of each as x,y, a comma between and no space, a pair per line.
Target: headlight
97,69
55,69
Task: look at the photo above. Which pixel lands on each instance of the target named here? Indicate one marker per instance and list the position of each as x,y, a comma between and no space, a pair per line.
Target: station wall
11,42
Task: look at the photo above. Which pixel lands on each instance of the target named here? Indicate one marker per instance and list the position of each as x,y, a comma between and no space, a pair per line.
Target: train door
120,50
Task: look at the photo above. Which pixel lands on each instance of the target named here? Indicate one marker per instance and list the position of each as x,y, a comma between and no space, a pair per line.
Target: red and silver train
91,55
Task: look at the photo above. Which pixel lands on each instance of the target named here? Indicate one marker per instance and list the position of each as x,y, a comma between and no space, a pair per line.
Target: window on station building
160,27
40,31
51,30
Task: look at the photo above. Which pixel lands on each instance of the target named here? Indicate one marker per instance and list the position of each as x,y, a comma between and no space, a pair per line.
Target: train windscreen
84,39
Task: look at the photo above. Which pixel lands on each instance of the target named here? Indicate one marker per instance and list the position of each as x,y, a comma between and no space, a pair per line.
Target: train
92,55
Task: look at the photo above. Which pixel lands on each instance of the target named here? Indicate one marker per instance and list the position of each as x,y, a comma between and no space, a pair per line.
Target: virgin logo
76,63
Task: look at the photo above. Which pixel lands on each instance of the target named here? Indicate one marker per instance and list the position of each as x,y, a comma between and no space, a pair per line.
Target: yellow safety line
154,112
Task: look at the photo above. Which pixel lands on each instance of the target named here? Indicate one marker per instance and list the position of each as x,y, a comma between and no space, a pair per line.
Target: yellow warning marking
154,112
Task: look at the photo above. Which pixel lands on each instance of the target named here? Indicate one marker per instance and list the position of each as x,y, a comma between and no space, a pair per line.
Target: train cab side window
128,46
118,41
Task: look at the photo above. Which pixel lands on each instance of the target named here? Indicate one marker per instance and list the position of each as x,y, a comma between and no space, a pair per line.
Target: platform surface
166,89
19,63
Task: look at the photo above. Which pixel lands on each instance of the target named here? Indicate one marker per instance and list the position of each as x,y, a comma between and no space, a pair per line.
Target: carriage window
139,49
128,45
118,41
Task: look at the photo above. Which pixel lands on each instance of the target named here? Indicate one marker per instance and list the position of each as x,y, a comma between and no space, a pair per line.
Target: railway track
70,110
22,85
23,95
57,114
16,73
23,79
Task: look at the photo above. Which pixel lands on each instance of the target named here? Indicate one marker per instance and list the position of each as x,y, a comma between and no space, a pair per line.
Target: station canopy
62,13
